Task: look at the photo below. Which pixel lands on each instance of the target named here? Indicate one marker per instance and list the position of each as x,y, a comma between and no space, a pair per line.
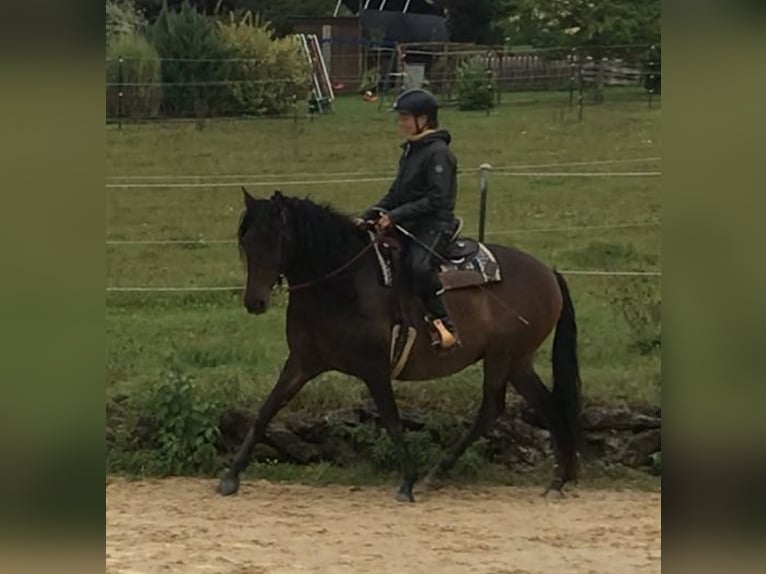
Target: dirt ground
181,525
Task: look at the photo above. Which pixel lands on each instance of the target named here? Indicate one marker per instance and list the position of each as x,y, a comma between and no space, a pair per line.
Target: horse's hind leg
291,380
492,406
530,386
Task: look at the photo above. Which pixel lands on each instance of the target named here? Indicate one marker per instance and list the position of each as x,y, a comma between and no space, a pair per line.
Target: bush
141,67
171,429
272,74
193,71
475,87
122,19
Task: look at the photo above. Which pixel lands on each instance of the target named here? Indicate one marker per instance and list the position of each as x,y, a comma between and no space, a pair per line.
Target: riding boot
446,333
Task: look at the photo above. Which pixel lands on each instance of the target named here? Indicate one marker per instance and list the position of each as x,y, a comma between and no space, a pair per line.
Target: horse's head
262,236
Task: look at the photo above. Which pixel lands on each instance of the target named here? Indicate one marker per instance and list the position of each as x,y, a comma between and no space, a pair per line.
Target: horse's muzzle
256,306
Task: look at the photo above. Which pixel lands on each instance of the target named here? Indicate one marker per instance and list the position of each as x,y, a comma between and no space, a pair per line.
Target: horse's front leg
383,395
293,377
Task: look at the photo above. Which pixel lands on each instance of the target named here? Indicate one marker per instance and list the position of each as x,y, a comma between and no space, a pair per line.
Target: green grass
212,339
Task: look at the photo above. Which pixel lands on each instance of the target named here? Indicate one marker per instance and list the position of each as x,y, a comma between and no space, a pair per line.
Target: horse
339,318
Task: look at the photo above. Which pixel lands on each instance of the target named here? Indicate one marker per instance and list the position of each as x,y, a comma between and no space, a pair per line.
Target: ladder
322,94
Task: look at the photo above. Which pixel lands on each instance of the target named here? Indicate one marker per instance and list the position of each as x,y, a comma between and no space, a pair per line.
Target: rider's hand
361,223
384,222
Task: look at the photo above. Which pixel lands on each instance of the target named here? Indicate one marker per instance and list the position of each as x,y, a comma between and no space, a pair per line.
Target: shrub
172,428
141,67
193,71
122,19
272,72
475,87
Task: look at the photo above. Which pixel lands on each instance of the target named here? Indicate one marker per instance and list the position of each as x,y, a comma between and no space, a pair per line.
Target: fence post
120,81
572,58
489,87
651,78
484,170
580,96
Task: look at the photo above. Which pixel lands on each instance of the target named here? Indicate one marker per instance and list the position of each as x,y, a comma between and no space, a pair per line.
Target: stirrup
447,339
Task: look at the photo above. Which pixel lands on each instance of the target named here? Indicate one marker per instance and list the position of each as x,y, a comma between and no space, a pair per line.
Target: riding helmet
418,102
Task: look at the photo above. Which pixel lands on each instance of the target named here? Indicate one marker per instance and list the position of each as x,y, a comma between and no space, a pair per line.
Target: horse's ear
249,199
278,198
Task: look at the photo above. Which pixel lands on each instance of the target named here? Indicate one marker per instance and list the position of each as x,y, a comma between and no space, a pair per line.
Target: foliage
427,446
122,19
477,21
598,28
279,13
272,74
192,69
141,67
585,23
656,463
173,429
476,87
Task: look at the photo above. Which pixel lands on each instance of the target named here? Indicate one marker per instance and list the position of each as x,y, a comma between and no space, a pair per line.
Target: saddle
463,262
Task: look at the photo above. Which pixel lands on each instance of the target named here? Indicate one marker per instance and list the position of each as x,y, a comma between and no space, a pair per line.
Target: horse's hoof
553,494
228,485
404,497
405,494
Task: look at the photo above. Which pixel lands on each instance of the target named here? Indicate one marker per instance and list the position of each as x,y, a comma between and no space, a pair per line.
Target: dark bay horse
340,319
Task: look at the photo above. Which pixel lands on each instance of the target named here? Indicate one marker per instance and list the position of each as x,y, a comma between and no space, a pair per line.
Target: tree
587,22
280,13
477,21
195,66
593,26
123,18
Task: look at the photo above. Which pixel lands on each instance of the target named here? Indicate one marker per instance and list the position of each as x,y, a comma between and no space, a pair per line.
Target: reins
337,271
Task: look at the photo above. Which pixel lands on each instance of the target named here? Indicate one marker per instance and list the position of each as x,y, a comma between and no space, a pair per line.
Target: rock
411,419
618,418
266,453
607,445
639,448
288,443
315,430
338,451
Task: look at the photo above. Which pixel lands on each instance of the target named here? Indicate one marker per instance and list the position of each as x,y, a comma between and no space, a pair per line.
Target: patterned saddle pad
469,263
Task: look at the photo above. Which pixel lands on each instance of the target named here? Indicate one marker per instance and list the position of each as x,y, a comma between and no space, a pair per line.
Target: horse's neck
306,268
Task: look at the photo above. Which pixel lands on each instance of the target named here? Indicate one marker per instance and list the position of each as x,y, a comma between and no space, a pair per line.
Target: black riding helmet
419,102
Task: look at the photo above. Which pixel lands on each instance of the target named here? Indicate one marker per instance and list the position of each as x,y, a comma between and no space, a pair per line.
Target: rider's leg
428,285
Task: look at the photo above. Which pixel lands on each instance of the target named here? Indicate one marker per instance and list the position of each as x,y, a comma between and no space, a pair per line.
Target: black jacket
424,191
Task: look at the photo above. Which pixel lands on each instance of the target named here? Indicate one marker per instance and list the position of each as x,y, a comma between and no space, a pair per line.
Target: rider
422,200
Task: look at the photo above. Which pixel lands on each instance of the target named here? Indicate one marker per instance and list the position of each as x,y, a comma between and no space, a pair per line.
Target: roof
431,7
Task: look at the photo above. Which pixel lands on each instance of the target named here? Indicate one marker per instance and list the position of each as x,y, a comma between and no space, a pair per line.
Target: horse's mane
323,239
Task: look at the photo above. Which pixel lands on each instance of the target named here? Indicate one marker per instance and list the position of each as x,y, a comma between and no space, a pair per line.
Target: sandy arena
181,525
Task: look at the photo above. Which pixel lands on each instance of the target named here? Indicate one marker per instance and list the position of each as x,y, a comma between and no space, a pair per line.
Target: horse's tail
566,372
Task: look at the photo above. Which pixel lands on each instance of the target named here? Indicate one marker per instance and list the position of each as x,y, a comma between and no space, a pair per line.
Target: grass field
598,223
